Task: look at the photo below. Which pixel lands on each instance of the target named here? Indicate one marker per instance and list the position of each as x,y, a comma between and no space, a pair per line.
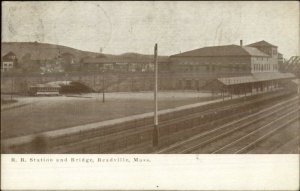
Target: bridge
292,65
110,81
19,83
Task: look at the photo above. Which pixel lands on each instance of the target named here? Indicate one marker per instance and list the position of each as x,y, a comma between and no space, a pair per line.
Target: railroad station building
228,60
235,66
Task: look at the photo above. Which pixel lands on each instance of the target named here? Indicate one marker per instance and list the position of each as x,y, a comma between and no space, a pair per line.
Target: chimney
241,42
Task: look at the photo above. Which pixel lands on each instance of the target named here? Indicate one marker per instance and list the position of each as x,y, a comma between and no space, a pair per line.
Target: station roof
257,77
261,43
227,50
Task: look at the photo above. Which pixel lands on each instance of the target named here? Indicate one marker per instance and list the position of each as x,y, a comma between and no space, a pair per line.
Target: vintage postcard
150,95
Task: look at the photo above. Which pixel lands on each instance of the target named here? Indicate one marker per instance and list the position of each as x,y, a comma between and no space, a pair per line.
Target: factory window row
212,68
124,67
262,58
264,67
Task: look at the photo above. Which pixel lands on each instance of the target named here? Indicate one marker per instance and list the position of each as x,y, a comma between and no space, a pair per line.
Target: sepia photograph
149,78
90,91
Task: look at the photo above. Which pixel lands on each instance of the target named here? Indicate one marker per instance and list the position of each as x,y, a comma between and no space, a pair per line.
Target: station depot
236,70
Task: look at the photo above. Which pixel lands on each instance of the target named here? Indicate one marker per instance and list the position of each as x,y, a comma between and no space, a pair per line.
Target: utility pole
155,130
103,86
12,88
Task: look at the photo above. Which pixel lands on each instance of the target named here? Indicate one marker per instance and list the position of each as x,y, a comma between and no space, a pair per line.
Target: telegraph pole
103,86
155,130
12,88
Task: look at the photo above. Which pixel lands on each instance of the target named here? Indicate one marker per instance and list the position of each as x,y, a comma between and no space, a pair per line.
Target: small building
8,62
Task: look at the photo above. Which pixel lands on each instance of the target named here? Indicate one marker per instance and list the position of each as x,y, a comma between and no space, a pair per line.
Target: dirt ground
38,114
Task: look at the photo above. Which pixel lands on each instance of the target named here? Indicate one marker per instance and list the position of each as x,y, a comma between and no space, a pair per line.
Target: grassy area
50,113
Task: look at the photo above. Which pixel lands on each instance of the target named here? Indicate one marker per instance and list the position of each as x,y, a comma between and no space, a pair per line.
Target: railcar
42,90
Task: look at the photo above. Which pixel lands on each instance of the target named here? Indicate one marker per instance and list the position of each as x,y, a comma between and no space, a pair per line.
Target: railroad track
282,139
246,142
139,132
215,140
290,147
181,135
185,134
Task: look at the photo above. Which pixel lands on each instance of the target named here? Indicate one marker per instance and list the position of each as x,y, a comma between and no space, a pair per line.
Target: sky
120,27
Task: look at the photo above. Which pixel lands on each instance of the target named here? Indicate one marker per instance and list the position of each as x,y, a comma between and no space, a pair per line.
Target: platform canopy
296,81
257,77
221,83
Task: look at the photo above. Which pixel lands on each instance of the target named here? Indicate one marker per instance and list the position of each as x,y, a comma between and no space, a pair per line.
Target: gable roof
252,51
256,77
7,56
261,43
227,50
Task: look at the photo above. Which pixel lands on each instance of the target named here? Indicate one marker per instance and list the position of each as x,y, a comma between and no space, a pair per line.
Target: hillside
42,51
45,51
